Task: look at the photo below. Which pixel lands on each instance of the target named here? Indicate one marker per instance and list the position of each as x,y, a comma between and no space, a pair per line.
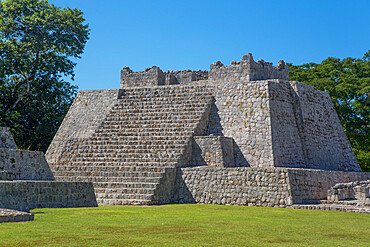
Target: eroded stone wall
237,186
324,141
24,165
247,70
212,150
153,76
357,190
241,111
257,186
311,184
185,76
6,139
285,131
26,195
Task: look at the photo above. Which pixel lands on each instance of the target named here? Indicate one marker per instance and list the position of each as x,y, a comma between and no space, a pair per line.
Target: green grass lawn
187,225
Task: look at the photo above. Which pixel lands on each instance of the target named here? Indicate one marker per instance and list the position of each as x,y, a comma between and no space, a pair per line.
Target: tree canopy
347,81
39,43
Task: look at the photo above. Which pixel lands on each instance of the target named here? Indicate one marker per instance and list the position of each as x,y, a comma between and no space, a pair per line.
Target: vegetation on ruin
187,225
347,81
39,43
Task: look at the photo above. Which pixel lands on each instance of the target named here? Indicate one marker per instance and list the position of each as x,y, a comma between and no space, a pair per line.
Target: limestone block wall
359,190
325,144
237,186
285,131
6,139
25,165
184,76
257,186
165,188
26,195
82,119
153,76
241,111
247,70
215,151
306,131
311,184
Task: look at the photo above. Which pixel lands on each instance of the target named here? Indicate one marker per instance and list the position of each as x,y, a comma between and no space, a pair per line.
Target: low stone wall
184,76
359,190
237,186
257,186
26,195
247,70
24,165
8,215
312,185
153,76
6,139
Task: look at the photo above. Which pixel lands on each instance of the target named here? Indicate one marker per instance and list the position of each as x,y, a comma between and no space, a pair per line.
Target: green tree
347,82
37,44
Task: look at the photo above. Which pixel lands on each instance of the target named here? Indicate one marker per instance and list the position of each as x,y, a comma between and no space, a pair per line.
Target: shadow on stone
182,193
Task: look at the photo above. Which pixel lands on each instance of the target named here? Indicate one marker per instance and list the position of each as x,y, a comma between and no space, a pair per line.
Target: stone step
119,164
128,160
146,130
167,99
190,97
138,148
141,184
154,124
107,179
124,202
112,154
120,193
149,140
358,203
119,150
109,168
99,174
124,196
332,207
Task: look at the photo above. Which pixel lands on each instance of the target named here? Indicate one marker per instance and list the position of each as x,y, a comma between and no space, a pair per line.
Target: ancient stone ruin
26,182
241,134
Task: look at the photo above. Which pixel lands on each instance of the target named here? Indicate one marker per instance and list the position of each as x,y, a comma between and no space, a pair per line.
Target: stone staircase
132,155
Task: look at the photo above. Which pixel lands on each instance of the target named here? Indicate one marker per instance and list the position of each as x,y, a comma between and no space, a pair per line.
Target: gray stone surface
26,195
144,131
215,151
8,215
24,165
285,138
82,119
247,70
237,186
6,139
154,76
257,186
26,182
356,190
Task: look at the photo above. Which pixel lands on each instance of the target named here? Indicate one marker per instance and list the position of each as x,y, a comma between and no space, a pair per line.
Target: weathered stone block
215,151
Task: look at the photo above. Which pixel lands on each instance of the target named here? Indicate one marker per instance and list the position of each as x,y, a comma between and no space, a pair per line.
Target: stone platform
26,195
350,206
272,187
241,134
9,215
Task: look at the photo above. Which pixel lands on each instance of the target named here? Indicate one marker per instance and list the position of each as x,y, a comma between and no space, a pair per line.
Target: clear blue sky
177,35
